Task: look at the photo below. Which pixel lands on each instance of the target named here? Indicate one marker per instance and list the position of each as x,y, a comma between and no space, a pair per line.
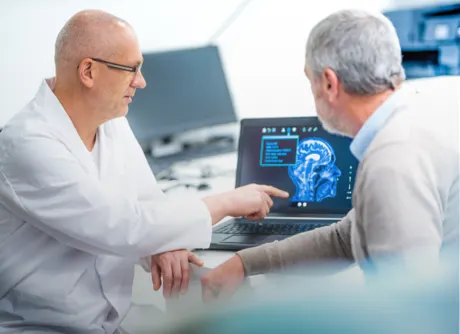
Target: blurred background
210,63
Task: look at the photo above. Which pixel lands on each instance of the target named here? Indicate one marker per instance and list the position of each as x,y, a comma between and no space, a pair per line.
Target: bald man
79,205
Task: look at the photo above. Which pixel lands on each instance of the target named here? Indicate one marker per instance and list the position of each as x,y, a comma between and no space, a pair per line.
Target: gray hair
361,48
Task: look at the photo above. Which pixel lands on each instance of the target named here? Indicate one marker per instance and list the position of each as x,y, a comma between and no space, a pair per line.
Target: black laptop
299,156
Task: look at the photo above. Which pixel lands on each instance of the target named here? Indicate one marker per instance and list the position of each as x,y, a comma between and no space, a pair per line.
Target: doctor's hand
221,282
252,201
174,267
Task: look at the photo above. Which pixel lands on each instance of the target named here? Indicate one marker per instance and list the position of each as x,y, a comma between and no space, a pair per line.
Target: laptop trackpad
244,239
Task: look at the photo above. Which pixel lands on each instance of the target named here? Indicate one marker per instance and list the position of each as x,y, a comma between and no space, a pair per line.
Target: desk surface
142,289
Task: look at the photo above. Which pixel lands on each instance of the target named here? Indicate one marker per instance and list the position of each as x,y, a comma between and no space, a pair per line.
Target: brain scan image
315,173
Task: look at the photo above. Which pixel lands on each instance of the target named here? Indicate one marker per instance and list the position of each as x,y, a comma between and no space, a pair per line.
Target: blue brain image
315,174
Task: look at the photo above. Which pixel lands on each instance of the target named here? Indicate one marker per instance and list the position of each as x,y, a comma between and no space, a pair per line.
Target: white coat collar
61,123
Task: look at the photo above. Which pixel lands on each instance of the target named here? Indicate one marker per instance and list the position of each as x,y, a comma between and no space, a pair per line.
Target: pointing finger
272,191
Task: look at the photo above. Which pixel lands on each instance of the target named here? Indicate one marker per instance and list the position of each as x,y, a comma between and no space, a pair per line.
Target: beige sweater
405,200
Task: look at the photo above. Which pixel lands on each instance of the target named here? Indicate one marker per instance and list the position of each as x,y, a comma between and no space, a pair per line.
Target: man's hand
175,268
223,281
252,201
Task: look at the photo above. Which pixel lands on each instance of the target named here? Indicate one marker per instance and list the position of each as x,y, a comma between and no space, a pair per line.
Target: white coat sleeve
46,186
145,182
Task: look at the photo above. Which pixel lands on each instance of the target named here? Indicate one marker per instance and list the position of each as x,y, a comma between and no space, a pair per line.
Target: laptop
299,156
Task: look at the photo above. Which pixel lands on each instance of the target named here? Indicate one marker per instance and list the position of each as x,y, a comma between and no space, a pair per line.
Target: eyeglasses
133,69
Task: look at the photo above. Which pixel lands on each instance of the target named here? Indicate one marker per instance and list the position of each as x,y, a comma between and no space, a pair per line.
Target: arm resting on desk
327,243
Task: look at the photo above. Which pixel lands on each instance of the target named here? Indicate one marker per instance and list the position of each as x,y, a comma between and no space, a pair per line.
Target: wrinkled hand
223,281
174,267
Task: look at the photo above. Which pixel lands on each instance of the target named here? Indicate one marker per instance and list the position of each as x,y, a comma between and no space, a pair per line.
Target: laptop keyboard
269,227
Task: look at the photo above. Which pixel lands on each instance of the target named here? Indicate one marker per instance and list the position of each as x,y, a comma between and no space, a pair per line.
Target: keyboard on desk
269,227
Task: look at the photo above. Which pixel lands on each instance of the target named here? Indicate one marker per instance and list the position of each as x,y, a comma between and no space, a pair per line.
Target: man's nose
139,81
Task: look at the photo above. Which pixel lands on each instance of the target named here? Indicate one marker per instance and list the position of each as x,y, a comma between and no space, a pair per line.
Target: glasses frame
133,69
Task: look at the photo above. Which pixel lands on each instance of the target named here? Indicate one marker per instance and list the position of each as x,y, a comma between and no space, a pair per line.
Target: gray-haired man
405,201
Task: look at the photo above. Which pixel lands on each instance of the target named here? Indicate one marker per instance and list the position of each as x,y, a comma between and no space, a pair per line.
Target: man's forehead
130,59
129,50
137,60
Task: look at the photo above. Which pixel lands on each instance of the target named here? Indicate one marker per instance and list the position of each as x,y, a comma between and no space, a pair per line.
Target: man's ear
86,72
330,84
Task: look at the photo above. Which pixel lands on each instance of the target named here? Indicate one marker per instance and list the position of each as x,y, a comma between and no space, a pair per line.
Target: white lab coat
70,234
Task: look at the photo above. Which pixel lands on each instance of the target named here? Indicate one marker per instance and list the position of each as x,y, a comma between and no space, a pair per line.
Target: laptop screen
299,156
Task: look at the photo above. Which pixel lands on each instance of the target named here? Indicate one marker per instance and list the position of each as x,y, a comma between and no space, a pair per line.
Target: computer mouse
203,186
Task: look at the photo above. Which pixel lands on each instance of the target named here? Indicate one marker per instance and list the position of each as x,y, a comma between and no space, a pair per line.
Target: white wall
263,50
28,29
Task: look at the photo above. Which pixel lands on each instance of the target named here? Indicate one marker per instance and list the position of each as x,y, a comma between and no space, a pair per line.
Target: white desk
146,303
142,289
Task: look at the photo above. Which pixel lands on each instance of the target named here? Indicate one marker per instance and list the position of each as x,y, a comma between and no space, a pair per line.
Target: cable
227,23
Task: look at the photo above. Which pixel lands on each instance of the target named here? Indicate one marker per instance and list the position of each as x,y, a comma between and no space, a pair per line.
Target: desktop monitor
186,90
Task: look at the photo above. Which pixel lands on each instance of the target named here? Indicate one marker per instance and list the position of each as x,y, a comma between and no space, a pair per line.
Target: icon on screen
264,130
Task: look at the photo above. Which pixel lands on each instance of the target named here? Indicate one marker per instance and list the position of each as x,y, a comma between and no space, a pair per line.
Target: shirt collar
375,123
